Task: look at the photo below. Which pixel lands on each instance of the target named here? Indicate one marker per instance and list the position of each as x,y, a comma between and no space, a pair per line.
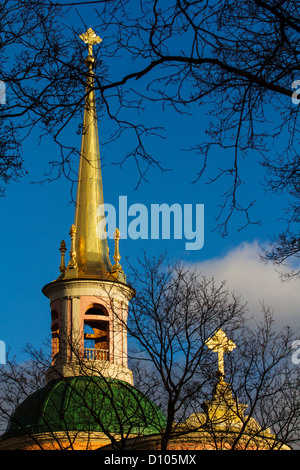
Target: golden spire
91,249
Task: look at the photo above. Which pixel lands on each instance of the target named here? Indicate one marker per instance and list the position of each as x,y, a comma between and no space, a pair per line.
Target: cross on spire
220,344
90,38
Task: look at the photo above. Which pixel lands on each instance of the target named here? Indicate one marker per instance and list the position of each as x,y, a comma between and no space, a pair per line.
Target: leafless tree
27,61
43,79
236,61
174,313
94,404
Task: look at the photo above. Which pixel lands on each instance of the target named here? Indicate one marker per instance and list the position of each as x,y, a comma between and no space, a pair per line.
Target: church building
89,400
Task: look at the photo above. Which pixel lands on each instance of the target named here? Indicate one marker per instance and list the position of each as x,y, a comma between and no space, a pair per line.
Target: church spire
89,300
92,258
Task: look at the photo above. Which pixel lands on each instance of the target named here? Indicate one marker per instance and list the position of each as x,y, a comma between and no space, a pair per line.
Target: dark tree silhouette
173,315
237,61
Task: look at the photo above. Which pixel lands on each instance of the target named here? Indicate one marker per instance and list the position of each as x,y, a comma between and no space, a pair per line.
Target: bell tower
89,300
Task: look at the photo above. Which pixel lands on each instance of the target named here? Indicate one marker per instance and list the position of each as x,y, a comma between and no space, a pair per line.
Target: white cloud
248,276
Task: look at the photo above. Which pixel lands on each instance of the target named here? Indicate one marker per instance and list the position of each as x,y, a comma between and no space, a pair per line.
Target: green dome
92,404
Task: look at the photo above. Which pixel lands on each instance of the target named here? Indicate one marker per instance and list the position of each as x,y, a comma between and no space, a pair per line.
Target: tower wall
101,305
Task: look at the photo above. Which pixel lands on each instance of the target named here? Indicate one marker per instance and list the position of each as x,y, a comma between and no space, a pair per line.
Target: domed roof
92,404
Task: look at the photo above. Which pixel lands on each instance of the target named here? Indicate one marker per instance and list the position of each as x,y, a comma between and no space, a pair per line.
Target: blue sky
35,218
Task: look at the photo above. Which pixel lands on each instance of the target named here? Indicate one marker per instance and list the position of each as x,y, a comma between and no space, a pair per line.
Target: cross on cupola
220,344
223,407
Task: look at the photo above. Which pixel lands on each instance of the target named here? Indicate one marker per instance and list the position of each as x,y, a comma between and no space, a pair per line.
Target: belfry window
96,310
96,335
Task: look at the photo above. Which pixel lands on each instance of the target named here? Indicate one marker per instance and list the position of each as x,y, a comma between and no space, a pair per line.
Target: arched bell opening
96,309
96,334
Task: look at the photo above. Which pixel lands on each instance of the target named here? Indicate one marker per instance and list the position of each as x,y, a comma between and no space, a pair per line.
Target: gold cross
221,344
90,38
